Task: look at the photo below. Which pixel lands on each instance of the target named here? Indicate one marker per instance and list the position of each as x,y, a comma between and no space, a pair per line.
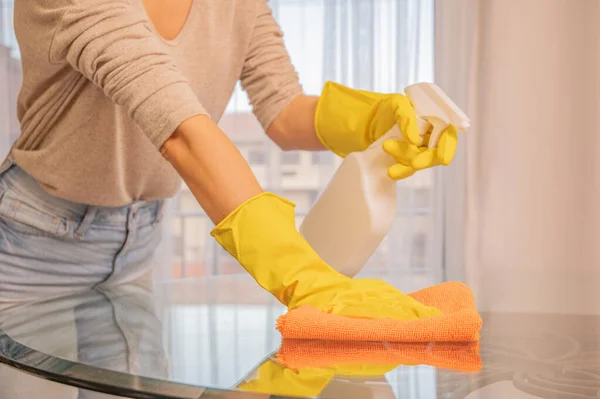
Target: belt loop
134,209
90,214
132,212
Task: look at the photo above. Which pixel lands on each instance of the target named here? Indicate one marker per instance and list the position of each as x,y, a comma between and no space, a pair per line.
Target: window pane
423,197
290,158
257,157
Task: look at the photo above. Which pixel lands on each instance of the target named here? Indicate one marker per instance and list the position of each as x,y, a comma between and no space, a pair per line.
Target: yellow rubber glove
275,379
261,234
349,120
412,158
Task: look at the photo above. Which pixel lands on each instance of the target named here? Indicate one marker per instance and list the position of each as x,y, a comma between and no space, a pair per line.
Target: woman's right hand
261,234
367,299
259,230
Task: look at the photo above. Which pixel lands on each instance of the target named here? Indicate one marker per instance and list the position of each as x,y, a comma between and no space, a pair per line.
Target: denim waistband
16,184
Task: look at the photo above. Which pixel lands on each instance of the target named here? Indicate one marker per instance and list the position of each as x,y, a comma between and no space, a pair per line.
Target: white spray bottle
356,210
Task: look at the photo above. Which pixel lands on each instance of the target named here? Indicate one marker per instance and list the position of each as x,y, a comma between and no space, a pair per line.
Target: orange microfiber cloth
300,354
460,321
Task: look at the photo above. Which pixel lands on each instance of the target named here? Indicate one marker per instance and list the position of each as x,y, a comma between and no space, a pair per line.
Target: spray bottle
357,208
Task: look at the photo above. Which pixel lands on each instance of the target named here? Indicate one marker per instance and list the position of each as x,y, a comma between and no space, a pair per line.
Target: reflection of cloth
459,323
298,354
307,367
109,328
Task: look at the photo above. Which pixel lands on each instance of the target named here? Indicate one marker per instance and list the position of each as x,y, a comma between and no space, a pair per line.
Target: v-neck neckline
182,31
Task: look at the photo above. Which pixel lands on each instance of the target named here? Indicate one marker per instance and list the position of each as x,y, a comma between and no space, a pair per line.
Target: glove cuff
261,235
342,118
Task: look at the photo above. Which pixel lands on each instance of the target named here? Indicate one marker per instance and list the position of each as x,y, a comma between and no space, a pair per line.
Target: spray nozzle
435,111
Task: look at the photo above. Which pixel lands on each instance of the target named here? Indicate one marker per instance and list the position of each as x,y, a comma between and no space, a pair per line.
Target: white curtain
525,186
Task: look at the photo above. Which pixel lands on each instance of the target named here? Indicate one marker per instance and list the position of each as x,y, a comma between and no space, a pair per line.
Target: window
419,250
315,158
7,35
257,157
290,158
423,197
321,158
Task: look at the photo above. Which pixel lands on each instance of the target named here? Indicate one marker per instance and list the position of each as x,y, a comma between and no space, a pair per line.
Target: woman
119,103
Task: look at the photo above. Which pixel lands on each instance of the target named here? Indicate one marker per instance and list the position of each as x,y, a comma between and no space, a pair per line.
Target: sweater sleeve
268,75
110,43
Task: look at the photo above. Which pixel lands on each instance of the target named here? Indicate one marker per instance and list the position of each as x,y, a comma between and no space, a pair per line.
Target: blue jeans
52,247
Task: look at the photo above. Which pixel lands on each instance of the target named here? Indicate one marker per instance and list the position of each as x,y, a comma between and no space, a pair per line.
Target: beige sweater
102,90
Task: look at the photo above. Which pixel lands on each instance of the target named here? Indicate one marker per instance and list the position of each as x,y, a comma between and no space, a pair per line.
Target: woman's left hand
349,120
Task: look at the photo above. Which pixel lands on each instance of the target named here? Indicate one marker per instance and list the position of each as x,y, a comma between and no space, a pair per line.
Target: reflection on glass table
216,337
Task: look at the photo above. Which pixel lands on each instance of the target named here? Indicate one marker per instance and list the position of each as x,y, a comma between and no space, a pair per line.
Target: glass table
215,337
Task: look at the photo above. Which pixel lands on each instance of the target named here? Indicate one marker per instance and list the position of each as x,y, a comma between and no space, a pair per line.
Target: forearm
294,128
212,167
